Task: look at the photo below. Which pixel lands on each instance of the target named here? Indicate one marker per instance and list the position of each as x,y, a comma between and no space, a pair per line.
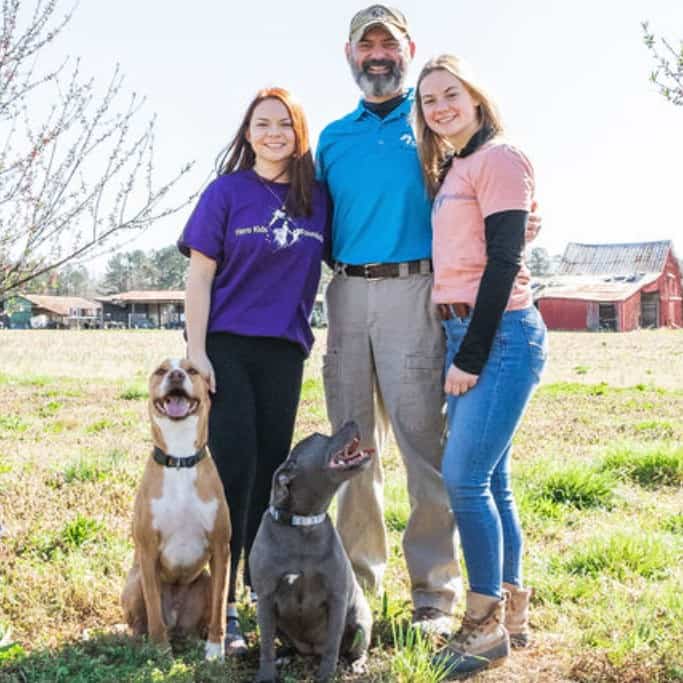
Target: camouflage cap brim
362,30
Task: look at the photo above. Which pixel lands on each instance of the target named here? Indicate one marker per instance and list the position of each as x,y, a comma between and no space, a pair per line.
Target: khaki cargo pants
383,366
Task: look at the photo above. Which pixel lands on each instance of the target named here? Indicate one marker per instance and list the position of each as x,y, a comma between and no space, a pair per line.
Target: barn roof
614,259
591,287
604,272
61,305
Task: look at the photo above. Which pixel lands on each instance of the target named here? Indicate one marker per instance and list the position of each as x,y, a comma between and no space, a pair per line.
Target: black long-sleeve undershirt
504,251
383,109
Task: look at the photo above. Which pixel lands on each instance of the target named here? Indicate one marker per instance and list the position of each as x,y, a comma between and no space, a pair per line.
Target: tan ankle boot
517,614
482,640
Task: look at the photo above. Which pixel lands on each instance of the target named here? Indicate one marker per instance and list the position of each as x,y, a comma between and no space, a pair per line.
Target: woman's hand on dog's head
203,364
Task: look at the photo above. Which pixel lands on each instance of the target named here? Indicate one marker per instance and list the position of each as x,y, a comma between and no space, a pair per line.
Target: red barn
618,287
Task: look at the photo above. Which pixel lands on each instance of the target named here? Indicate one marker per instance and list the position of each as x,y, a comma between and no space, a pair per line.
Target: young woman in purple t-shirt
255,242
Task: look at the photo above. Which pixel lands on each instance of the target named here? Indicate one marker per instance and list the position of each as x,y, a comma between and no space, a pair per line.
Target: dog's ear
281,480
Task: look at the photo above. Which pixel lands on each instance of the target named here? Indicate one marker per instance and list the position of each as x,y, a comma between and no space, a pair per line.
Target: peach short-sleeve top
496,177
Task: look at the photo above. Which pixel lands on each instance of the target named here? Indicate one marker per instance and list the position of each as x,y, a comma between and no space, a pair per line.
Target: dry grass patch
74,436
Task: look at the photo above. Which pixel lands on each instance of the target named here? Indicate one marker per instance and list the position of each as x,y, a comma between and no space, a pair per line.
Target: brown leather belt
376,271
448,311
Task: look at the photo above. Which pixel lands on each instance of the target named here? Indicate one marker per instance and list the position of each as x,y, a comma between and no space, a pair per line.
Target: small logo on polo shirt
408,139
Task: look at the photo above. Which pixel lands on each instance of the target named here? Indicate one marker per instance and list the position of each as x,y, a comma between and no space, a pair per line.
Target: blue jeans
476,463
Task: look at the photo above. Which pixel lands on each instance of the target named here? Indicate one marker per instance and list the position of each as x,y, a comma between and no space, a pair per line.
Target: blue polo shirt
371,168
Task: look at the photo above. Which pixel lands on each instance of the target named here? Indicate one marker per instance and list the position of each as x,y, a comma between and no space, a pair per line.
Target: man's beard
379,85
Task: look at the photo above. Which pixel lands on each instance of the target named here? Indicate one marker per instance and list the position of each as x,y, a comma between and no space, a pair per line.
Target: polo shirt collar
403,109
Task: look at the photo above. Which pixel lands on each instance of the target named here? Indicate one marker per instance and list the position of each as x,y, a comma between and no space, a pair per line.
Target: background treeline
164,268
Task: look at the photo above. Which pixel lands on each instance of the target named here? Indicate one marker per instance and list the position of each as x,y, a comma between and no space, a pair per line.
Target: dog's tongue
177,406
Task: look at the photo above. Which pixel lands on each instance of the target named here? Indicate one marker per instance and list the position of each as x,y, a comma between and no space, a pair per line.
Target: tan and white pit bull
181,519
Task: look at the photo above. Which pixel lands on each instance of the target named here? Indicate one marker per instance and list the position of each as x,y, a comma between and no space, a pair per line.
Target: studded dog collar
175,462
288,518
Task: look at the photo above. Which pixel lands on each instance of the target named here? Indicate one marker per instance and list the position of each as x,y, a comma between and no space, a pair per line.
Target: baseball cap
378,15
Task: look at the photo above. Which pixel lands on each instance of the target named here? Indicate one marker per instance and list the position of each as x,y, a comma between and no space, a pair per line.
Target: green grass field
598,469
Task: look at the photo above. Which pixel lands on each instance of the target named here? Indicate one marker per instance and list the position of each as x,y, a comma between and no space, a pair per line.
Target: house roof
614,259
148,297
61,305
591,287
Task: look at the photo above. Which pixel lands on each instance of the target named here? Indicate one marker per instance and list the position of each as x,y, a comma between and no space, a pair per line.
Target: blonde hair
432,148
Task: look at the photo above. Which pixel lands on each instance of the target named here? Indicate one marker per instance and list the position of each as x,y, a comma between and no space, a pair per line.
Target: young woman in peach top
483,190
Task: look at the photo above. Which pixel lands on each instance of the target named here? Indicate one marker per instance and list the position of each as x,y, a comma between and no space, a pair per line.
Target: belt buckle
366,271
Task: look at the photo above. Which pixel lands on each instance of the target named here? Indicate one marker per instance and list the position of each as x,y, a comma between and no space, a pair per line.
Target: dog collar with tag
173,461
285,517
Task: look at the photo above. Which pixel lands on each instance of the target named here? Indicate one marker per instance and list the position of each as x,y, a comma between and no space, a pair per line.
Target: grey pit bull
307,591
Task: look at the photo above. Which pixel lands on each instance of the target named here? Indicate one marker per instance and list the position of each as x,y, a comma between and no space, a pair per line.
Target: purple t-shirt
268,262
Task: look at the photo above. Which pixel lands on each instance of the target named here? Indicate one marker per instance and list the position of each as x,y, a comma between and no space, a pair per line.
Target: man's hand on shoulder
533,224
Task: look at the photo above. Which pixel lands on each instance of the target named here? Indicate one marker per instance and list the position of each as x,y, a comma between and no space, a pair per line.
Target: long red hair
239,154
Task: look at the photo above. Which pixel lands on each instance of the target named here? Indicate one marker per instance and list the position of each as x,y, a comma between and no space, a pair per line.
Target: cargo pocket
422,393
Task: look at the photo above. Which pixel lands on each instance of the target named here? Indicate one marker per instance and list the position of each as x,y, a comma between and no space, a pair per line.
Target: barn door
593,316
649,309
608,317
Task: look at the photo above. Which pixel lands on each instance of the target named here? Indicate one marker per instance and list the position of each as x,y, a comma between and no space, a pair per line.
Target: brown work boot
481,642
517,614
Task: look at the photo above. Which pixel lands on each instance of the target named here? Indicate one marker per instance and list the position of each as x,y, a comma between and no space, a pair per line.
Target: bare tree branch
80,178
668,73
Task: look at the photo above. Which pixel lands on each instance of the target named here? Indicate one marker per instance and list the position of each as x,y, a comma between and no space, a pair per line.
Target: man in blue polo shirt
385,346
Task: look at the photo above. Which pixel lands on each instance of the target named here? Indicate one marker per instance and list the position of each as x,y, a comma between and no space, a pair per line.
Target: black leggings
258,384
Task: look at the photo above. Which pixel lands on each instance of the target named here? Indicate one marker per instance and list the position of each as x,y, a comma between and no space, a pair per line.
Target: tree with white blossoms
79,179
668,73
538,261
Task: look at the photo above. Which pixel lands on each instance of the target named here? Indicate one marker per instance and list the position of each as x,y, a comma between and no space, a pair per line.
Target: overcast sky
571,79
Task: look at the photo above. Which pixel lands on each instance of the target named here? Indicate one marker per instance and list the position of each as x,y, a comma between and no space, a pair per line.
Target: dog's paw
325,674
360,666
213,651
267,675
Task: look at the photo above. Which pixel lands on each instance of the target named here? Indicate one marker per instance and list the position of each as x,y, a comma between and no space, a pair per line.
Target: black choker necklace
271,180
482,136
